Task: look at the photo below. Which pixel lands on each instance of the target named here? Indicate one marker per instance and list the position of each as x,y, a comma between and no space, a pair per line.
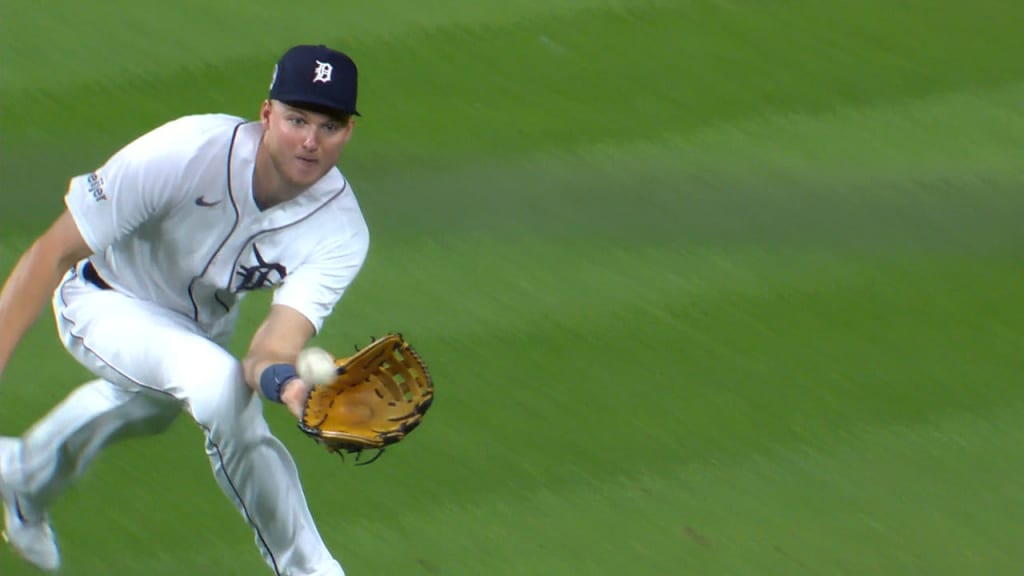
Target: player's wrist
274,380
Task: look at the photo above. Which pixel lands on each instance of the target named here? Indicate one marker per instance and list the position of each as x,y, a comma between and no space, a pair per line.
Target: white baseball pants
153,364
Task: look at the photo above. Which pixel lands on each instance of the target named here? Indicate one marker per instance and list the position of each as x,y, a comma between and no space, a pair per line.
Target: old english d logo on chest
263,274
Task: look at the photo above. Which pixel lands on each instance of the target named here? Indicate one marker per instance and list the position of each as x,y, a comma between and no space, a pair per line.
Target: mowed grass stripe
955,135
469,288
940,170
937,497
195,34
935,175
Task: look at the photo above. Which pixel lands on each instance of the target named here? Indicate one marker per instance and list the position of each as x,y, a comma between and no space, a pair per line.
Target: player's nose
310,141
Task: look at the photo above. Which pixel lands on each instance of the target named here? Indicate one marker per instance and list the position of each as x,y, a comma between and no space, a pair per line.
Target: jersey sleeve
315,287
140,181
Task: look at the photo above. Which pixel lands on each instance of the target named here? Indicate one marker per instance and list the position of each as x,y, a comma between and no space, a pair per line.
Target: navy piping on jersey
234,225
206,431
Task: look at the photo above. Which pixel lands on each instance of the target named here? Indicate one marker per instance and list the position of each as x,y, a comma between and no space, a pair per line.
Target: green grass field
708,287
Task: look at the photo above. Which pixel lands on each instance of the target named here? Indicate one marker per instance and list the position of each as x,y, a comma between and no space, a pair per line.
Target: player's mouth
307,165
306,168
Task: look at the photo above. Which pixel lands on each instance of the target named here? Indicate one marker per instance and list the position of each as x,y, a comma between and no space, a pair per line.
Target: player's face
303,145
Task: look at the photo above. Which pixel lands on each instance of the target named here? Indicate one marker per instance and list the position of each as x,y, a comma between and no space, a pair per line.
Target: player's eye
297,121
331,127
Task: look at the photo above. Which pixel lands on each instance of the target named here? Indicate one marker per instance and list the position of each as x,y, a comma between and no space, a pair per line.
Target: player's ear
348,128
265,113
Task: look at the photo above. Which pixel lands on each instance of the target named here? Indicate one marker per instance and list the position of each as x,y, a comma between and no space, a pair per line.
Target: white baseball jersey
172,220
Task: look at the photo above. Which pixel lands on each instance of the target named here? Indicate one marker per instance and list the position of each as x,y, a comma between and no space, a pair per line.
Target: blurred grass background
707,287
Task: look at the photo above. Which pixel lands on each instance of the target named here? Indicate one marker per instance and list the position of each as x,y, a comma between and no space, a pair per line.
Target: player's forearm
26,292
277,342
268,348
30,285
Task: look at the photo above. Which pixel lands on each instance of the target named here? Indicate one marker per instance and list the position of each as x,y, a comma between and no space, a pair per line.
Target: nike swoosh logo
201,201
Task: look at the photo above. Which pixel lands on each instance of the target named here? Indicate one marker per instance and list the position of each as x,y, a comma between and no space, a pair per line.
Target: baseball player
146,268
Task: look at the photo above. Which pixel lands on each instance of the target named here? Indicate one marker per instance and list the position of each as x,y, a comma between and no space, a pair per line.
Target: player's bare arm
32,282
283,334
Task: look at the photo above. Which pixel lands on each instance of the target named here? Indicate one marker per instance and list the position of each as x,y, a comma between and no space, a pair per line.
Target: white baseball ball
316,366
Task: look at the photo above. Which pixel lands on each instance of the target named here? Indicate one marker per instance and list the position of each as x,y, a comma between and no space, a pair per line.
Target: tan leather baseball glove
379,396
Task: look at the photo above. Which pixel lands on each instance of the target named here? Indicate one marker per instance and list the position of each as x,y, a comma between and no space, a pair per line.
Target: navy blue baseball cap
316,77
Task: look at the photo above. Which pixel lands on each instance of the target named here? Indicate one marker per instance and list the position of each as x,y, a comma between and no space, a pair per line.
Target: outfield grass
707,287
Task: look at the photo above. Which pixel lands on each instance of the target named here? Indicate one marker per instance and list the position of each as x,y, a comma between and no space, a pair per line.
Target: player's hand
294,396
